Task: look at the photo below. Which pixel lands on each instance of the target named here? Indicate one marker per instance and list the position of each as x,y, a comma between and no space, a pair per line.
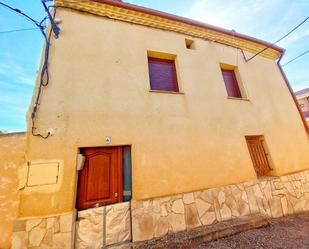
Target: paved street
285,233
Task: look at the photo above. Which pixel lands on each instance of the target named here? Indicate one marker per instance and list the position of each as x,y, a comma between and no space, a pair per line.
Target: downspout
292,94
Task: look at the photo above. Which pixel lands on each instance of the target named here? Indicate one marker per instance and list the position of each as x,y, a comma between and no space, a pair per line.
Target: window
189,44
162,74
231,83
259,156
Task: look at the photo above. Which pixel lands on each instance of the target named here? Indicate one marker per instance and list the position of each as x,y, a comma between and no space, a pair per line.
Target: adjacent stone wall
54,232
12,156
103,226
272,196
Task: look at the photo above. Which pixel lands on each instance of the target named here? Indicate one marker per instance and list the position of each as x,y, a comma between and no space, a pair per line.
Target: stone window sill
170,92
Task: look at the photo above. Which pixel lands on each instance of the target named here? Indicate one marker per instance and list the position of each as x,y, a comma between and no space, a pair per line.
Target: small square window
162,74
231,84
190,44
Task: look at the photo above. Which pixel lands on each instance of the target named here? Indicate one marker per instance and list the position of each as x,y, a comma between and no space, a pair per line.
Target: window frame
236,86
174,77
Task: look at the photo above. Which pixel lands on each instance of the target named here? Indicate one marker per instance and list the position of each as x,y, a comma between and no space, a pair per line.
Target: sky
20,52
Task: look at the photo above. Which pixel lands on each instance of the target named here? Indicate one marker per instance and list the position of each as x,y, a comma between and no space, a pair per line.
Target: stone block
32,223
202,207
221,197
161,228
36,236
188,198
226,213
275,207
19,225
142,226
66,223
208,218
177,222
62,240
20,240
91,212
89,232
254,208
178,207
191,215
118,225
163,211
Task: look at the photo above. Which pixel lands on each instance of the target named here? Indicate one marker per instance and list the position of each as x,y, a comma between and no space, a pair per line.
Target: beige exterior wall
180,142
12,156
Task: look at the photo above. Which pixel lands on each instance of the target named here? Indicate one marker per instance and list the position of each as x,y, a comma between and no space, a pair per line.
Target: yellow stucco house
152,124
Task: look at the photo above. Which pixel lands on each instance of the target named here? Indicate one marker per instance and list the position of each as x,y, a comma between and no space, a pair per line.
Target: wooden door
258,155
100,181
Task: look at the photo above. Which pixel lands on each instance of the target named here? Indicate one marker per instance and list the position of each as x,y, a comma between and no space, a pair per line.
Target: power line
302,54
19,12
17,30
286,35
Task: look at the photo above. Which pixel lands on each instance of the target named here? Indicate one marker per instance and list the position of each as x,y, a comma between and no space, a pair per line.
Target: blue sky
20,52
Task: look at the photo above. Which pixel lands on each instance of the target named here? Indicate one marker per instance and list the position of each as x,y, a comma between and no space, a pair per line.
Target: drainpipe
292,93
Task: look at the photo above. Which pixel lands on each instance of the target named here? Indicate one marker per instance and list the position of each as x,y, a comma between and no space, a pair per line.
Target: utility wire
44,71
286,35
302,54
17,30
20,13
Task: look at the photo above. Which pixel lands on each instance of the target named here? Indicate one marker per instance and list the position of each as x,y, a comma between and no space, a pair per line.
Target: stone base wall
272,196
53,232
104,226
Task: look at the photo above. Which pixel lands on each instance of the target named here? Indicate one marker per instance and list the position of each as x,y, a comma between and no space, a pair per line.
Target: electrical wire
17,30
17,11
290,61
286,35
44,71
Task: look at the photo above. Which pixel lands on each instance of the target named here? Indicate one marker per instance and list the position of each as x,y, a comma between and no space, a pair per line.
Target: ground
285,233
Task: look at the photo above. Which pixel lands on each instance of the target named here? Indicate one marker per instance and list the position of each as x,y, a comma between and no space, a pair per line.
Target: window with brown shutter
231,83
162,74
259,156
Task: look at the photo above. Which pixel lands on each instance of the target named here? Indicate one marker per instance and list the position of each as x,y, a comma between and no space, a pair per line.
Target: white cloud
16,73
294,38
258,18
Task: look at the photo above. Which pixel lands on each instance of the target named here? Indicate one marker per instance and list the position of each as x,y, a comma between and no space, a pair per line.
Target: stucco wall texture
99,86
12,155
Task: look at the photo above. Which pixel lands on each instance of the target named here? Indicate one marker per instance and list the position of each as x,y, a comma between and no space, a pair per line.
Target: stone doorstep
203,234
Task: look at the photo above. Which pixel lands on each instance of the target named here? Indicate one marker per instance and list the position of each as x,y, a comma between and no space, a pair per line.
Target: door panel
100,181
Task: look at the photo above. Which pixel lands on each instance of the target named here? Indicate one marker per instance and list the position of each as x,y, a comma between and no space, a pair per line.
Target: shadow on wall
12,155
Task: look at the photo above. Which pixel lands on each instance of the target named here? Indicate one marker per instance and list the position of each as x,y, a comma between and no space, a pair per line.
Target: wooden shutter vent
258,155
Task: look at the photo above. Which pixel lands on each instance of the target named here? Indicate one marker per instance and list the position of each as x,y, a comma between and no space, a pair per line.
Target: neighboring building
12,155
303,100
159,122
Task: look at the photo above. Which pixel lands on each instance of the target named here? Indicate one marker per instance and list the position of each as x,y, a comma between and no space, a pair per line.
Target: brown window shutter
231,83
162,74
258,155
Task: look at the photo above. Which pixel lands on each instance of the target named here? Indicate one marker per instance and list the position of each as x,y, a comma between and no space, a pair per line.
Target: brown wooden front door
258,155
100,181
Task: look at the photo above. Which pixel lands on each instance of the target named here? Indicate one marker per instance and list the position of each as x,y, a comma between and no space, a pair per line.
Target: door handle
116,194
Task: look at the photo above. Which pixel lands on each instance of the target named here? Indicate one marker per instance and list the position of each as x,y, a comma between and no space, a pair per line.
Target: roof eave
190,22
